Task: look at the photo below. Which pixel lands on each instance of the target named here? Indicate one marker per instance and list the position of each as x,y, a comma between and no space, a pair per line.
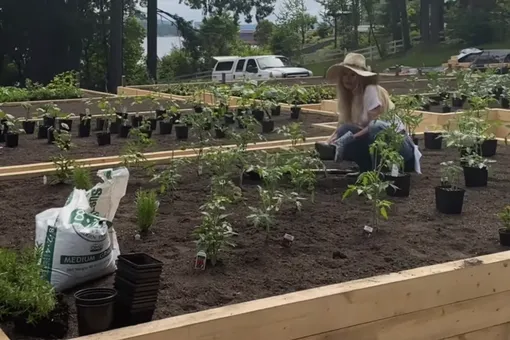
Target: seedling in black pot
449,196
504,232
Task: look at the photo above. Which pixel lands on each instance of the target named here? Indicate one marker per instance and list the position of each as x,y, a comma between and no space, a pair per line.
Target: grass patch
418,56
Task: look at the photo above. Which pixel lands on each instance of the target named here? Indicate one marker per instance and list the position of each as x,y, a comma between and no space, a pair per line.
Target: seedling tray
138,278
133,289
139,261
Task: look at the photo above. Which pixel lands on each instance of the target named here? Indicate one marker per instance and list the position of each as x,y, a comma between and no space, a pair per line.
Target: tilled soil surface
33,150
329,245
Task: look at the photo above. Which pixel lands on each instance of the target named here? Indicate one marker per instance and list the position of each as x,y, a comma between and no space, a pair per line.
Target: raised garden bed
33,150
329,245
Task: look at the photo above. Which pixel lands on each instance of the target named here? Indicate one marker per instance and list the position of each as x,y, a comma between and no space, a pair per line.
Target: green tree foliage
284,40
263,32
477,22
294,14
43,38
263,8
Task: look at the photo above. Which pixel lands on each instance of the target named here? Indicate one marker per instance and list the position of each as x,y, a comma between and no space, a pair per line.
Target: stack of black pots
137,283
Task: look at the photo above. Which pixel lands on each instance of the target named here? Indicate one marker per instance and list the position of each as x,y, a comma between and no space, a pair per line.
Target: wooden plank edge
3,336
99,93
498,332
434,323
357,302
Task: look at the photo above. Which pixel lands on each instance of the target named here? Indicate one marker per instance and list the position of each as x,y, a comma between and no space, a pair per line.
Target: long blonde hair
350,103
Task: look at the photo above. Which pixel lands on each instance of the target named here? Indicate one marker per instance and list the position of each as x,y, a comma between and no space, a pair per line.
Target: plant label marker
368,230
200,260
287,240
45,180
394,170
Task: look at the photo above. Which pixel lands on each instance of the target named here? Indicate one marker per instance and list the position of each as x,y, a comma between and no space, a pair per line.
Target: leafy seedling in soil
222,163
63,164
81,178
25,291
214,233
147,206
168,178
293,131
133,153
450,175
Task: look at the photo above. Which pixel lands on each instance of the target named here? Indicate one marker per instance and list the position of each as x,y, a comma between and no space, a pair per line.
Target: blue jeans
358,150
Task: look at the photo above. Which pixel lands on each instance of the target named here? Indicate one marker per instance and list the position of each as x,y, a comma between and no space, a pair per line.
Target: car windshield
271,62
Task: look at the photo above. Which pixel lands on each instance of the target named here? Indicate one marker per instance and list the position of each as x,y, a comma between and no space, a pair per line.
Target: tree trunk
441,20
425,20
435,6
355,22
395,19
406,38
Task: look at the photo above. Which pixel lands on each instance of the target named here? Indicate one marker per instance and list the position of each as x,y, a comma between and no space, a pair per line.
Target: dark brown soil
33,150
329,246
78,106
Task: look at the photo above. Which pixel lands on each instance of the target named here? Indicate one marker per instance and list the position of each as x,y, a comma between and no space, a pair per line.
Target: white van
264,67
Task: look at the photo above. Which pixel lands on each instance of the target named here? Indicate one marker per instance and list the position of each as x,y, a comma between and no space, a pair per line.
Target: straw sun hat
353,61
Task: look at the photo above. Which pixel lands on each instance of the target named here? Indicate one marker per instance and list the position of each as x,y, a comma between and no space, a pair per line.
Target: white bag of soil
78,240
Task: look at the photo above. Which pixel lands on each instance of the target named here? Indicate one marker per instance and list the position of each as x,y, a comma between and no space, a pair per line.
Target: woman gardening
360,103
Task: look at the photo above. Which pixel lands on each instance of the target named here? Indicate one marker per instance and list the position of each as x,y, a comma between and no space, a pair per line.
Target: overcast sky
184,11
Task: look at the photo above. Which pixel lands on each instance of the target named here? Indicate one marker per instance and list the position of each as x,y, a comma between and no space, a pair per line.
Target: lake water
165,45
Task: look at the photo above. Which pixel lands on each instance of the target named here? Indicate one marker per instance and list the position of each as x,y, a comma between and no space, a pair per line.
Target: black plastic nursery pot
124,131
457,102
207,126
51,135
198,109
504,237
258,115
11,140
426,107
505,103
175,118
181,132
49,121
54,326
402,182
68,122
229,118
42,132
104,138
433,140
276,111
154,123
84,130
415,140
100,122
475,177
267,126
446,109
29,126
95,309
489,147
219,133
136,121
165,128
449,200
115,126
253,176
294,112
2,137
160,113
326,151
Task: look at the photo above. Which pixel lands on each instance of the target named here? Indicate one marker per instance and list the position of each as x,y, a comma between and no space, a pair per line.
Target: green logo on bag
88,226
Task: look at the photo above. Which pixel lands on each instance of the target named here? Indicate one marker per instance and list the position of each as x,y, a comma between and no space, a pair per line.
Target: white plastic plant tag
287,240
368,229
394,170
288,237
200,170
200,260
44,180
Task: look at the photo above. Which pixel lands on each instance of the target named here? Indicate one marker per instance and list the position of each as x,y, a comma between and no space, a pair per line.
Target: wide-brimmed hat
353,61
